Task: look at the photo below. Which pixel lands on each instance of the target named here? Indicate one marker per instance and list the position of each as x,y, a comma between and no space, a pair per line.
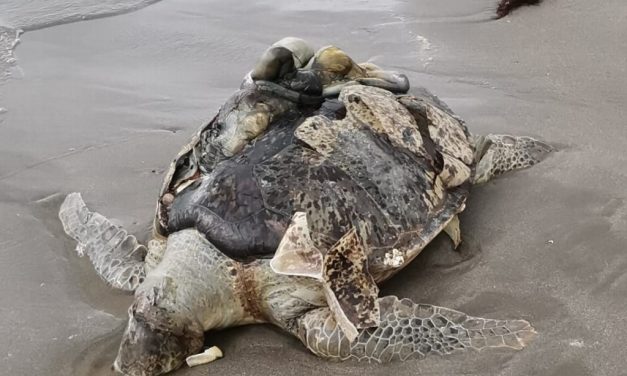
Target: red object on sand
506,6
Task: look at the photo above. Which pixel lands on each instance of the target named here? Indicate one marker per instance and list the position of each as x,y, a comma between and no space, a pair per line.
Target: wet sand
103,105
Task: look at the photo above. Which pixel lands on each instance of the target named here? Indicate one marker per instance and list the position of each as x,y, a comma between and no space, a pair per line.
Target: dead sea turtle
291,64
298,227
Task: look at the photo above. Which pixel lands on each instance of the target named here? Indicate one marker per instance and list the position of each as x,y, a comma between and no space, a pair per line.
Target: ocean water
37,14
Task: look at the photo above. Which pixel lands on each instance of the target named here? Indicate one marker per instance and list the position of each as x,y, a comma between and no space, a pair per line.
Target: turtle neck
194,280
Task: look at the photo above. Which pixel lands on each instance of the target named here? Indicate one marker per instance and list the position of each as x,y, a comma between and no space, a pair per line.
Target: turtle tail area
498,154
410,330
117,256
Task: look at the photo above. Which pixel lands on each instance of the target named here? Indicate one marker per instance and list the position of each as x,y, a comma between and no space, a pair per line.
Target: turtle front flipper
409,330
497,154
117,256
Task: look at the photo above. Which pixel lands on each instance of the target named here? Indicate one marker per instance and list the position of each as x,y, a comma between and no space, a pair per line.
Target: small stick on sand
208,356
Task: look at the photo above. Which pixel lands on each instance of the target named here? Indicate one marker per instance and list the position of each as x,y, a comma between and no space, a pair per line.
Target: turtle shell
397,183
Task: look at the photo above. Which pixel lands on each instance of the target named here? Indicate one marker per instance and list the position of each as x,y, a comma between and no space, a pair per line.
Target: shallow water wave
24,15
37,14
332,5
9,38
17,16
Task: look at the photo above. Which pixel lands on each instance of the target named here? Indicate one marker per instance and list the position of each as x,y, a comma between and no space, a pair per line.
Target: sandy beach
101,107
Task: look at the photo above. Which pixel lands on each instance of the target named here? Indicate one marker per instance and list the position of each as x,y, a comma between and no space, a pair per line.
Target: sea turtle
298,227
291,64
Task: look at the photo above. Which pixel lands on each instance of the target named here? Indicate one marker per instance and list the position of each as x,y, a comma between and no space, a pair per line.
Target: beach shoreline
103,106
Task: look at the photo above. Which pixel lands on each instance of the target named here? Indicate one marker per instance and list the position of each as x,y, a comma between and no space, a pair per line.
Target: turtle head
154,345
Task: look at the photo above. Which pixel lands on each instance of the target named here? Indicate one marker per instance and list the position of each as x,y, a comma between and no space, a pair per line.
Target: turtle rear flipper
407,329
351,292
117,256
497,154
